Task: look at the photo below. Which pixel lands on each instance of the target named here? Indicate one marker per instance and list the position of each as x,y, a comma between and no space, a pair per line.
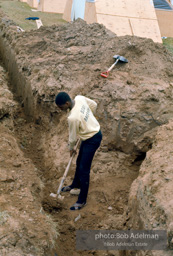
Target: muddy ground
134,102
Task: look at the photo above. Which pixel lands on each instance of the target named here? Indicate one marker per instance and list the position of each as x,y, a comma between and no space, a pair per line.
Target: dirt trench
133,104
108,194
111,177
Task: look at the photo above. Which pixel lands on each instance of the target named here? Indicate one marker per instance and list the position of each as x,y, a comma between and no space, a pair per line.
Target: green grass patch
19,11
168,43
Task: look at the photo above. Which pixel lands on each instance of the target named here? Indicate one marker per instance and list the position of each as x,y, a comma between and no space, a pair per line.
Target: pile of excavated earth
131,177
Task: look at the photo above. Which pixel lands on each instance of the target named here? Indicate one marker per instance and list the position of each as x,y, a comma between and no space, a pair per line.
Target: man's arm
73,131
92,104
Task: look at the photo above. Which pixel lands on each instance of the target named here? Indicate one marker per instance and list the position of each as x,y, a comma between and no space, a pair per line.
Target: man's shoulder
79,97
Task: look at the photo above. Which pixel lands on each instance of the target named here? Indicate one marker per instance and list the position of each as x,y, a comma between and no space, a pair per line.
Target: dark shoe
77,206
66,189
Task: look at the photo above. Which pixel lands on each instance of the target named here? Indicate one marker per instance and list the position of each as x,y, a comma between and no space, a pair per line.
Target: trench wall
20,85
25,224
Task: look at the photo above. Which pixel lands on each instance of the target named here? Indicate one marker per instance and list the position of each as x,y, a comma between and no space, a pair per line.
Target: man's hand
72,151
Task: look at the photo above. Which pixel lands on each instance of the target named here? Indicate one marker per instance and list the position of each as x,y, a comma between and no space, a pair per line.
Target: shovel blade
120,58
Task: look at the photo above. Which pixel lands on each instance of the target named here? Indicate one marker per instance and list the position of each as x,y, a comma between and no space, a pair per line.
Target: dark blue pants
83,165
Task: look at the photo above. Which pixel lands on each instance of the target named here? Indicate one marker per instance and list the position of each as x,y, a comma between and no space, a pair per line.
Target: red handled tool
118,58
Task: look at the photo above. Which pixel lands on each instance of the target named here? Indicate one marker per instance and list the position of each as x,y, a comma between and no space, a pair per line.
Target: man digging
84,125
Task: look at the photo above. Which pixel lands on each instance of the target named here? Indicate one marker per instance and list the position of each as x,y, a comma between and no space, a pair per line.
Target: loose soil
111,178
133,103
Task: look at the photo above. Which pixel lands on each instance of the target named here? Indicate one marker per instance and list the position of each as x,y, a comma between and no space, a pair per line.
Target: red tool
118,58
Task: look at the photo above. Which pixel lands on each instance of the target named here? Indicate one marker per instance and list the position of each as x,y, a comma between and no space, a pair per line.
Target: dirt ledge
150,199
25,228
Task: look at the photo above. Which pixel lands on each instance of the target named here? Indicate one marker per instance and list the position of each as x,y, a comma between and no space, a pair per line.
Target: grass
168,43
18,11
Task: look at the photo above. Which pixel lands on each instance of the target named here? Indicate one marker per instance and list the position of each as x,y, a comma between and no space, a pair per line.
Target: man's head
63,101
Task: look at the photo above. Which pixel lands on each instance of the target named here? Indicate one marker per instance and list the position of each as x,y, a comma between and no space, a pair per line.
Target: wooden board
117,7
126,8
119,25
90,13
142,9
52,6
146,28
40,6
129,17
165,20
67,10
32,3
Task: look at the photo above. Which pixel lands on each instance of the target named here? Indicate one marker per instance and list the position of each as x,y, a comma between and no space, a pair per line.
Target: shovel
118,58
65,174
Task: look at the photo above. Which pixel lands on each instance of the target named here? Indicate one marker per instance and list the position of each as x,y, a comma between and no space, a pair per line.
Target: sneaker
66,189
77,206
75,191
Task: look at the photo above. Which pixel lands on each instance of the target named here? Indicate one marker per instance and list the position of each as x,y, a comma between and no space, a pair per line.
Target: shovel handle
67,169
105,74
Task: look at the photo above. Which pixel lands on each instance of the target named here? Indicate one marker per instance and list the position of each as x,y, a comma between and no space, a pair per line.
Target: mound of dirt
133,103
135,98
